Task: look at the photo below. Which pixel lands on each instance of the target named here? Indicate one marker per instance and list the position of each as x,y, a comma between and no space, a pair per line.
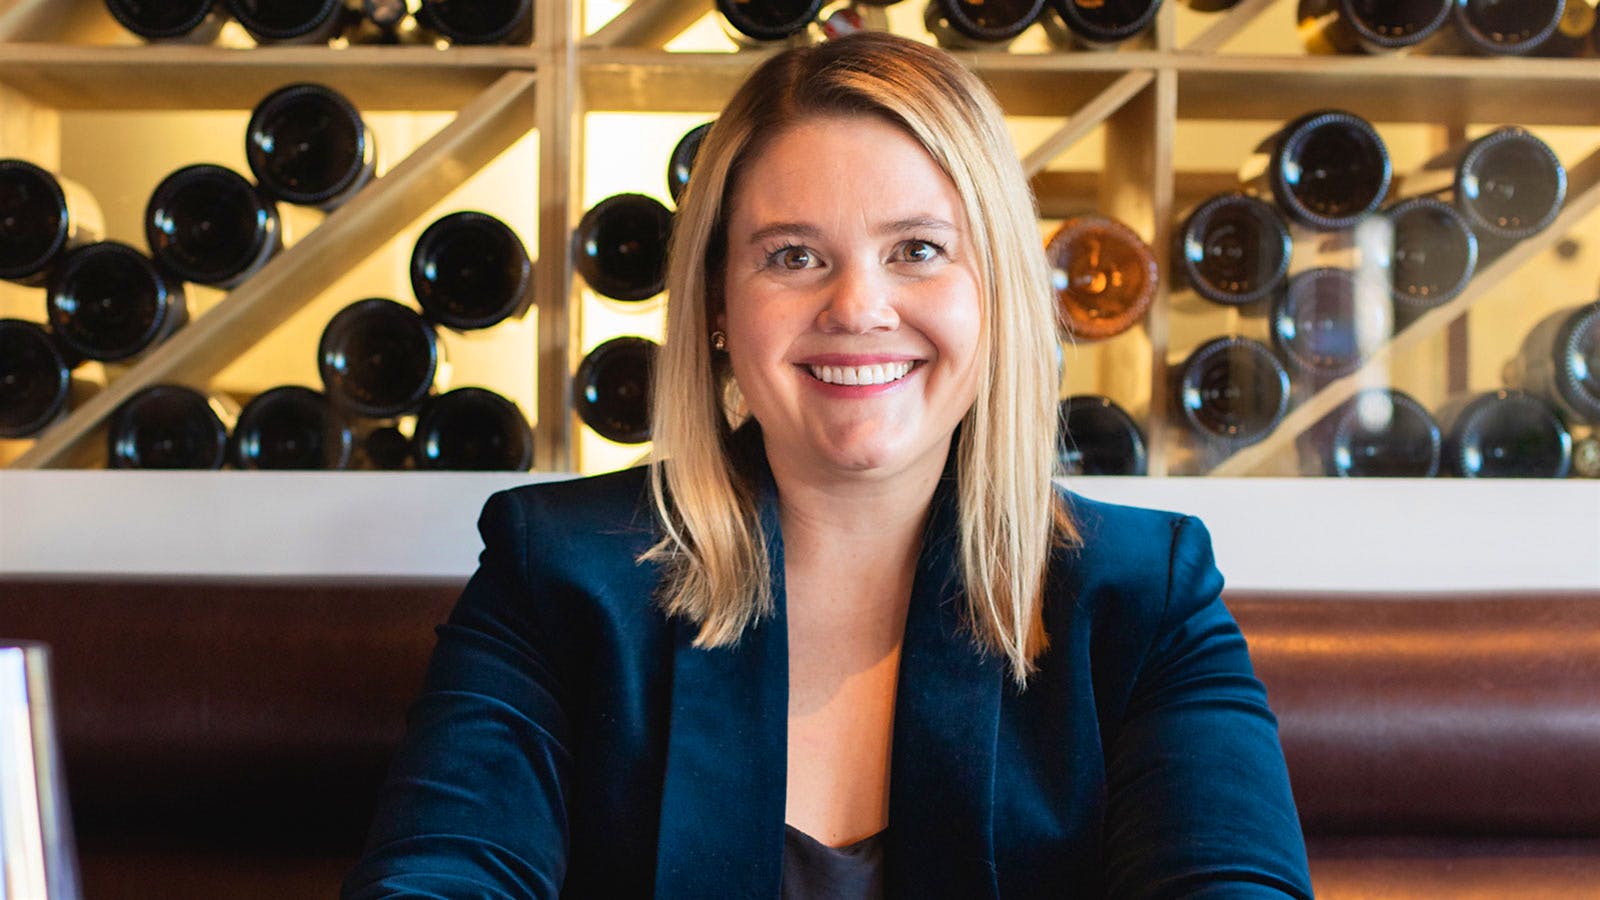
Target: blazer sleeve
474,802
1199,803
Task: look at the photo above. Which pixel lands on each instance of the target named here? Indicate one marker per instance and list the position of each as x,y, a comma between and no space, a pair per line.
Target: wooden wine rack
57,55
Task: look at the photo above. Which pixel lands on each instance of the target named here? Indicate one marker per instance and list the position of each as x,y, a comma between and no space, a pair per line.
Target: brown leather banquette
226,738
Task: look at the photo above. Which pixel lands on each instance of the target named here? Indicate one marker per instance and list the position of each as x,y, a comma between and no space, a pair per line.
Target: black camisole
812,870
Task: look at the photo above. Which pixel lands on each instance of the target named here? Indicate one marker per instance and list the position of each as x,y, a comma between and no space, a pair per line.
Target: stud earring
719,341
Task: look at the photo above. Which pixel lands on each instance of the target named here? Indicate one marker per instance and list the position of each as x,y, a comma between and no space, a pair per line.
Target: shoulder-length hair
716,569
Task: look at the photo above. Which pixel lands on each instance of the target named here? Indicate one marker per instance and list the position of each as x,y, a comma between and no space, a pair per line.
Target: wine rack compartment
1142,131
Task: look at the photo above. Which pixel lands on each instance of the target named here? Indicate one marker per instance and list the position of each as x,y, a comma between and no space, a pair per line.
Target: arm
474,802
1199,802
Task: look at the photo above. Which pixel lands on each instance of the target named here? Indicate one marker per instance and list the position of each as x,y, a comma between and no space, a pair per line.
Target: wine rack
1125,120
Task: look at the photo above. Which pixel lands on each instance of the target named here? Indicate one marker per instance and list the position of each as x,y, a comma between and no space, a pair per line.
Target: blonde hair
717,572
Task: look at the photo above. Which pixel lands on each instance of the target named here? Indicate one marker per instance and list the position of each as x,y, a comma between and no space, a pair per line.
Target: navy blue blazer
569,741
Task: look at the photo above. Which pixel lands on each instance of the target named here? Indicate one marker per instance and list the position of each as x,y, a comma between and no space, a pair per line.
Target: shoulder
1134,574
596,522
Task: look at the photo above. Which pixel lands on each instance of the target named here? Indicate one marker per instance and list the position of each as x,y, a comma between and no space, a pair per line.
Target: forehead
835,164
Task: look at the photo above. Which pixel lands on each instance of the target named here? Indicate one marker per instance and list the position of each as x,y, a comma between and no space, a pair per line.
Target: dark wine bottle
479,21
620,247
107,301
1369,26
35,379
291,427
167,426
1232,391
1098,437
1327,170
1210,6
291,21
1573,31
469,270
1097,24
1507,434
383,448
210,225
612,389
1434,254
754,22
1560,361
1380,433
472,429
378,359
1509,184
1505,28
308,145
965,25
186,21
42,217
1104,273
1234,249
681,162
1326,323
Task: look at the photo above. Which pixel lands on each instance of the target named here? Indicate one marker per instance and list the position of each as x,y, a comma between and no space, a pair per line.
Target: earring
719,341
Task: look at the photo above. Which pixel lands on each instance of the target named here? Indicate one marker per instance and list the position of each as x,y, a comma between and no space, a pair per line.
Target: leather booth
225,739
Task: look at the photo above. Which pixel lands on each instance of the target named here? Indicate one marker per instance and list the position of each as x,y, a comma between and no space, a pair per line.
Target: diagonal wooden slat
480,131
1583,198
648,23
1228,26
1086,119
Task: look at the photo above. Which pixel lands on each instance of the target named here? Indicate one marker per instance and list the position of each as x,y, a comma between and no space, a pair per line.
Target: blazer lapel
947,712
722,802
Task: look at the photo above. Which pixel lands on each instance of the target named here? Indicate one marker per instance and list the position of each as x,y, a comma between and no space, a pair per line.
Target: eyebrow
812,232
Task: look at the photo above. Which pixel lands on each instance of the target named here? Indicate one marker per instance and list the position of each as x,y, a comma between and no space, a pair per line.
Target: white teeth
880,374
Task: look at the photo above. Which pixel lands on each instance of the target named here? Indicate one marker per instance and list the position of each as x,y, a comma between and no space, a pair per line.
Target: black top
813,870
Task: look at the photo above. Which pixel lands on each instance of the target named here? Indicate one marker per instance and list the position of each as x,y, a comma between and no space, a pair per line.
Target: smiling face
852,300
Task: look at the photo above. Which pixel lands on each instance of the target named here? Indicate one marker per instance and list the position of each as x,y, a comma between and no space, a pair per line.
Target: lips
881,373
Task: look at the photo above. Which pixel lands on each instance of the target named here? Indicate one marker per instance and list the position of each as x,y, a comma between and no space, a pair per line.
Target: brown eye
794,258
917,251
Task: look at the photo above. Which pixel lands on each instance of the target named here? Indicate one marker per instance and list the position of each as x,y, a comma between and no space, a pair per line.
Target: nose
860,300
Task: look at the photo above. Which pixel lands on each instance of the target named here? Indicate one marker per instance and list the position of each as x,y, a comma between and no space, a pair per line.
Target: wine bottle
469,270
308,145
1433,255
107,301
1380,433
35,379
291,427
1369,26
1210,6
383,447
210,225
1104,273
1560,361
479,21
621,247
168,426
1097,24
751,23
681,162
1573,31
1503,28
1327,322
1234,249
378,359
1232,391
1327,169
42,217
291,21
186,21
1098,437
472,429
1508,184
612,389
1507,434
1586,457
964,25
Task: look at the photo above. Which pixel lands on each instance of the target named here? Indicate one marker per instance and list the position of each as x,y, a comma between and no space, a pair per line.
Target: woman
844,628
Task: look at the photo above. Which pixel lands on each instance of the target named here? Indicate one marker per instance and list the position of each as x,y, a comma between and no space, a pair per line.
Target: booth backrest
227,738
